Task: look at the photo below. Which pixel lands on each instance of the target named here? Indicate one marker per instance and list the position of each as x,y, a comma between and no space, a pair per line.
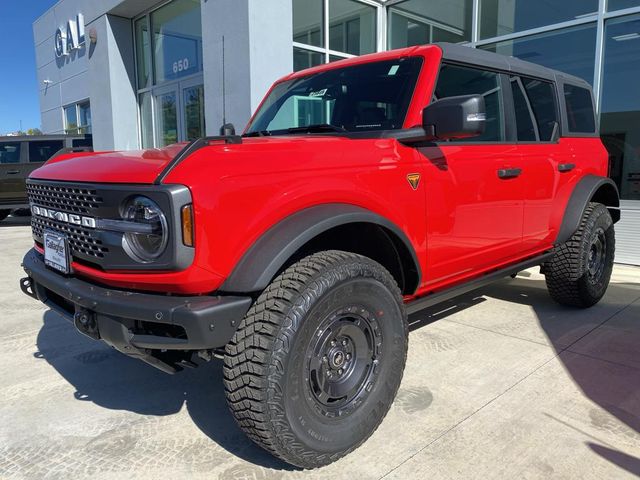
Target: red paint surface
461,220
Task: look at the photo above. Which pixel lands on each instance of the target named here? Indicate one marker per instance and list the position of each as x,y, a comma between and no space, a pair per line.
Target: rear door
12,172
474,188
546,161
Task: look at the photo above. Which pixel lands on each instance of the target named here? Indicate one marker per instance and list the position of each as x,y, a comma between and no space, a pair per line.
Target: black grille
66,199
81,240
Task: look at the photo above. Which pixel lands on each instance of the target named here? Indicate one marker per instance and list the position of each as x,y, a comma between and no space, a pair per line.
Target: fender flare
264,259
582,194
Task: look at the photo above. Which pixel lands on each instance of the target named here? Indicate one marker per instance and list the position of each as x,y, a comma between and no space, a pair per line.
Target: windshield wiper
320,127
258,133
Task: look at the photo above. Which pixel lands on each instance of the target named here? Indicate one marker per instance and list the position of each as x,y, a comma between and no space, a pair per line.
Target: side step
435,298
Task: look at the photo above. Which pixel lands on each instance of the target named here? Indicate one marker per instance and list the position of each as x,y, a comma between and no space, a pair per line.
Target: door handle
13,172
566,167
509,172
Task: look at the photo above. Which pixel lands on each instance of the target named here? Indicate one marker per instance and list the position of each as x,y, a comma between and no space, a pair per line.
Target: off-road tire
573,278
4,214
269,389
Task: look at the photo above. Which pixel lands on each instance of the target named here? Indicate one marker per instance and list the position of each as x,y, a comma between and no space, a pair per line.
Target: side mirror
455,117
227,130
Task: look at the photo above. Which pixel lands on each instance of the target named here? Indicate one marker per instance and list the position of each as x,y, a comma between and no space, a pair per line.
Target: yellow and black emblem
414,180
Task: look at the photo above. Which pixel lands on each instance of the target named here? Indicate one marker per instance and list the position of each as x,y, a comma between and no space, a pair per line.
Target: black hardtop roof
476,56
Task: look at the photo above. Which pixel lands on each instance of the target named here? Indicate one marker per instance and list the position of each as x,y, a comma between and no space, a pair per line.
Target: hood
140,167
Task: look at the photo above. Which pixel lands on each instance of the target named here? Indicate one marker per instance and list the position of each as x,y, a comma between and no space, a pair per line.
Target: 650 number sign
180,65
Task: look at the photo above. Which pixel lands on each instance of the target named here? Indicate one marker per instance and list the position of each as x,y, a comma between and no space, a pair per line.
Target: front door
179,112
475,190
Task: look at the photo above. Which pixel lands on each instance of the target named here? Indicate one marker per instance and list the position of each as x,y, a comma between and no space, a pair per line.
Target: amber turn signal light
186,213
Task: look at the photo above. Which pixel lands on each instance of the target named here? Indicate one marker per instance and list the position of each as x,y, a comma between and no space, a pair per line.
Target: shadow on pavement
613,386
112,380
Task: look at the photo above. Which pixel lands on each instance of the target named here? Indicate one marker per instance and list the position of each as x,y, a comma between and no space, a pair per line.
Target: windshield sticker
393,70
319,93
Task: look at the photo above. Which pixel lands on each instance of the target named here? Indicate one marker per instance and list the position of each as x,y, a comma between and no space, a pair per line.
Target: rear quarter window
41,151
580,114
10,152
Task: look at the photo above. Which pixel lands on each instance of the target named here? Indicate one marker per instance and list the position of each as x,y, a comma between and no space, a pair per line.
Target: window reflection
570,50
177,40
501,17
352,27
619,107
417,22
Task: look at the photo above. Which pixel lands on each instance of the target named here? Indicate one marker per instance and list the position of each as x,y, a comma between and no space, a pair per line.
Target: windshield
371,96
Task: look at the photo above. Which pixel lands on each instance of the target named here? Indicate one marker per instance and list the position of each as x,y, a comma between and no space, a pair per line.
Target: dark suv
19,156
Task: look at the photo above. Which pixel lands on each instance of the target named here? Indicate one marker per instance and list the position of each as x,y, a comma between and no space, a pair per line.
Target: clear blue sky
18,86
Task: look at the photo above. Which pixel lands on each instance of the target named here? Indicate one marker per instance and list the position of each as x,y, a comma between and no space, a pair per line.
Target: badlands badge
414,180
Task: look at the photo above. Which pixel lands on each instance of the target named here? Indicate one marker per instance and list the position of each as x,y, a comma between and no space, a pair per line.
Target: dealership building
138,73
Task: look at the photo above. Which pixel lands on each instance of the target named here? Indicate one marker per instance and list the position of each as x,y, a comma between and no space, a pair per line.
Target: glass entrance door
166,117
179,112
193,109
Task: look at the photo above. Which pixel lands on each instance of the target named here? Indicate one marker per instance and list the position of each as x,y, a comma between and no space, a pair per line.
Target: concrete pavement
500,384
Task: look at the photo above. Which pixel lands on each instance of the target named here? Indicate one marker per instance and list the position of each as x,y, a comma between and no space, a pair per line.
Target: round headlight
148,246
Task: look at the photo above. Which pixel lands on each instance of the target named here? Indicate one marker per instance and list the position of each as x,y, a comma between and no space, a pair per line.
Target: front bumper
141,325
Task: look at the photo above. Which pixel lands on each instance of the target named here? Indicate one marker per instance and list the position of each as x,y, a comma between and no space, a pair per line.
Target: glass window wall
71,119
143,52
307,22
352,27
417,22
177,40
571,50
502,17
620,104
621,4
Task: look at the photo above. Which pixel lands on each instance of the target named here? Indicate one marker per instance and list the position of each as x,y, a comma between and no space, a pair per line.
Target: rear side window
10,152
525,122
543,103
454,80
580,115
41,151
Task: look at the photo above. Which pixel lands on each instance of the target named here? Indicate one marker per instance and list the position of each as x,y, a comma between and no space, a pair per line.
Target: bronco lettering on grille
70,218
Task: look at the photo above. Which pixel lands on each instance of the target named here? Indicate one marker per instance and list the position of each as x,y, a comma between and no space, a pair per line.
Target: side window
10,152
543,103
579,109
525,126
43,150
455,80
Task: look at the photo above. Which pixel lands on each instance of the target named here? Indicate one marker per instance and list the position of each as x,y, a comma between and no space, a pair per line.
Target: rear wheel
4,214
579,273
316,363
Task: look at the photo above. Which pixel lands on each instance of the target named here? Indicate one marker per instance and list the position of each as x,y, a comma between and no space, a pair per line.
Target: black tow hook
85,322
26,285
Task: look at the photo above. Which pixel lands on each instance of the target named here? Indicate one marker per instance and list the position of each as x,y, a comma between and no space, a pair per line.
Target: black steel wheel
578,274
341,360
315,365
597,256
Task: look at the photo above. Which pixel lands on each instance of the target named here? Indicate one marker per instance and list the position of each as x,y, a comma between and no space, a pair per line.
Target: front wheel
315,365
4,214
579,272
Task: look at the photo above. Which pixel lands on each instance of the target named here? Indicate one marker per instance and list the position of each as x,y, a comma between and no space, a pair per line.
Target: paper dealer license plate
56,251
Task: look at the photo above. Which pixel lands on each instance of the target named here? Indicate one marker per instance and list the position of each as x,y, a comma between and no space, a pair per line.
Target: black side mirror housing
227,130
455,117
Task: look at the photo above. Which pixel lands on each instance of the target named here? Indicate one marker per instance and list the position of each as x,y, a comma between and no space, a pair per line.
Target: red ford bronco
361,191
